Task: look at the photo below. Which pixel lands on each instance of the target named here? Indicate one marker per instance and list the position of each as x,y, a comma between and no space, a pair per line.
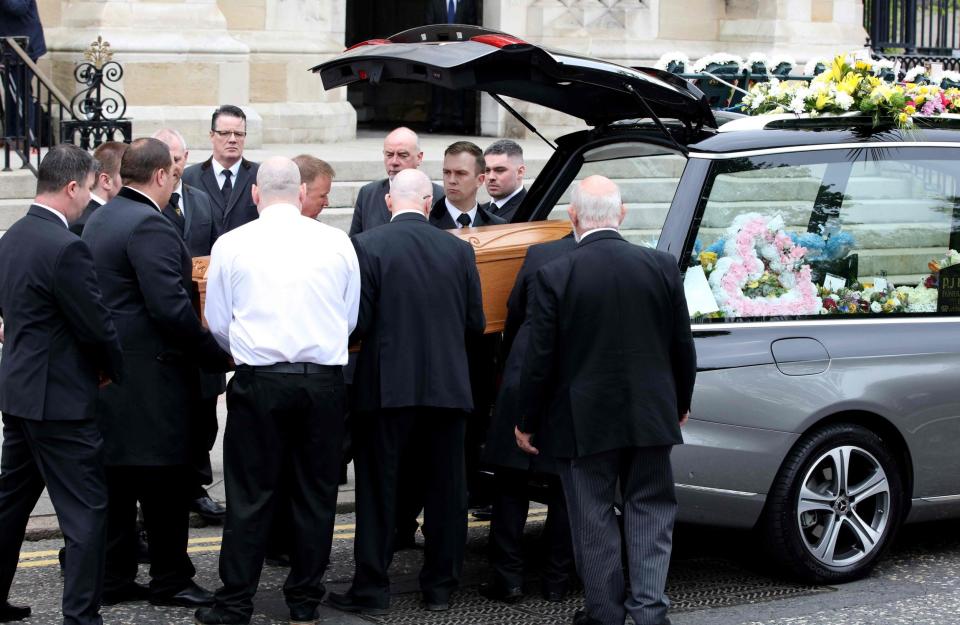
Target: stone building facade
181,58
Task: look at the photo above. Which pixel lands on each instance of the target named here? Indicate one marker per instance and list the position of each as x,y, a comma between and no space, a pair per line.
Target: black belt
290,367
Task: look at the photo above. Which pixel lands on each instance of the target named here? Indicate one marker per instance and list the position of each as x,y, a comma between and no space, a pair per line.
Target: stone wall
184,57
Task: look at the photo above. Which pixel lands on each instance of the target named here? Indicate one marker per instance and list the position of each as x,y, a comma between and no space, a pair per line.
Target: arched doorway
391,105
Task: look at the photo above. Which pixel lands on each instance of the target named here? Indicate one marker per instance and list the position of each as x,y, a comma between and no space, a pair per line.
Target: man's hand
684,418
104,379
523,442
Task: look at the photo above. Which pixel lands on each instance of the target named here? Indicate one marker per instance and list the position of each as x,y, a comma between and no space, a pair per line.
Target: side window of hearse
836,232
647,185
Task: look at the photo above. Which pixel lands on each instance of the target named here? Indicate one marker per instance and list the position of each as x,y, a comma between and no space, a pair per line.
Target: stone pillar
179,60
285,39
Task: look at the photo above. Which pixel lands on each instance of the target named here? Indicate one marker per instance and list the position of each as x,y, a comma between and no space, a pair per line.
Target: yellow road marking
211,544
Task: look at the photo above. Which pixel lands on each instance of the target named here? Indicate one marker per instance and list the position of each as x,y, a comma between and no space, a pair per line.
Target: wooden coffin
500,251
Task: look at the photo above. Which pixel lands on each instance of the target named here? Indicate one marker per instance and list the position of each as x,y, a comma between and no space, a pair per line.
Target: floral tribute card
948,289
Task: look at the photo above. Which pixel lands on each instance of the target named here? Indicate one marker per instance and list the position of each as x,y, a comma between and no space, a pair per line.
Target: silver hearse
821,274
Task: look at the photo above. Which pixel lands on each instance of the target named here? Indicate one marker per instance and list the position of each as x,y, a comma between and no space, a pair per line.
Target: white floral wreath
751,240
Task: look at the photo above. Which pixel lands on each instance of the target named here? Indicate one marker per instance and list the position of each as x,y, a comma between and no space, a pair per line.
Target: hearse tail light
368,42
498,41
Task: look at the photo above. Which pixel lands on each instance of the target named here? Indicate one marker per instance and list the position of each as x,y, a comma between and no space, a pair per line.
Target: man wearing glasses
227,176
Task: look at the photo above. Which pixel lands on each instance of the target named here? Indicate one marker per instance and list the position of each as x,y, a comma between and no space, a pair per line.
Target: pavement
717,577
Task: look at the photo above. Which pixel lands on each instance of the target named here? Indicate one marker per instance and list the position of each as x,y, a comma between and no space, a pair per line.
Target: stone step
779,188
16,184
897,261
873,236
796,213
11,211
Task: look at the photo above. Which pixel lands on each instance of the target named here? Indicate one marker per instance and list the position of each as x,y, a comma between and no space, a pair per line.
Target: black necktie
175,203
227,187
464,220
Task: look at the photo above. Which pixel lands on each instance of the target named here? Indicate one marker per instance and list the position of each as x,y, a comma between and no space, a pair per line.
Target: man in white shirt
504,177
283,294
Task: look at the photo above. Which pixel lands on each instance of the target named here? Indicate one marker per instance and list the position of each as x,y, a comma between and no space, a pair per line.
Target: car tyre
835,506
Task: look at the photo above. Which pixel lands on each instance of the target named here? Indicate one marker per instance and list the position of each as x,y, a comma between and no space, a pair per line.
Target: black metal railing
32,106
913,26
35,115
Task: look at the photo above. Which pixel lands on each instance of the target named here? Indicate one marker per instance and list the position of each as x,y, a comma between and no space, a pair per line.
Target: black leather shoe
497,592
216,616
554,592
303,615
277,559
483,513
13,612
208,509
130,592
580,617
193,596
346,602
434,605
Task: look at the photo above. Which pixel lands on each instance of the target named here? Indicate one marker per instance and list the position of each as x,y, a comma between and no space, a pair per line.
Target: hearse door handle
800,356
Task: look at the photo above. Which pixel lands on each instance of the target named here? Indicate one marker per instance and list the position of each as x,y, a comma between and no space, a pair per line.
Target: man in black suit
420,298
513,469
106,181
504,177
20,18
145,273
191,212
448,107
463,175
226,176
59,344
608,399
401,150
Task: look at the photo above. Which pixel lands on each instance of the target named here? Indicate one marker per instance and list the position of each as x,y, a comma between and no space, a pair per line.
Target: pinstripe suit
611,366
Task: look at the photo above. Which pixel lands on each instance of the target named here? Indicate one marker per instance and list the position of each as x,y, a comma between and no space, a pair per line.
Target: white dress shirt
62,217
283,288
589,232
456,212
96,198
218,170
499,203
149,199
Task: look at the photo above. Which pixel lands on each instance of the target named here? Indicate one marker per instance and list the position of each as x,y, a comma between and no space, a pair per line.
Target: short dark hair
504,146
63,164
468,147
142,158
311,167
230,111
108,154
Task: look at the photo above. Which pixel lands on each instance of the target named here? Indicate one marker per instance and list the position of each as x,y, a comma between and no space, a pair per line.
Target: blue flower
811,241
717,247
839,245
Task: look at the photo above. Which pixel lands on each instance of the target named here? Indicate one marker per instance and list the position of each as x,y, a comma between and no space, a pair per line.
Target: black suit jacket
507,211
501,448
145,271
58,333
201,228
611,360
20,18
240,208
371,209
77,226
440,216
420,298
466,12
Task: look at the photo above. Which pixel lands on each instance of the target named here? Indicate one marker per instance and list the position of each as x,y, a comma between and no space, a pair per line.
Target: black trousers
67,457
276,419
164,498
204,437
511,502
378,441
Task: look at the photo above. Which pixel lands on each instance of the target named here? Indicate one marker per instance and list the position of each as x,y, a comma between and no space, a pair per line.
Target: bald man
287,399
616,395
421,298
401,150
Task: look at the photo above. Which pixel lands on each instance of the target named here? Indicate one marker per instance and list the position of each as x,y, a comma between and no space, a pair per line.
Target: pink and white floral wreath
751,240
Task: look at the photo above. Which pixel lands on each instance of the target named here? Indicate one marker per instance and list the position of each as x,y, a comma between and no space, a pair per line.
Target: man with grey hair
421,299
282,296
191,212
504,177
608,398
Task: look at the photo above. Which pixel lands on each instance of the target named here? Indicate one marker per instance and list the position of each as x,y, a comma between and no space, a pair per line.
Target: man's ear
303,193
72,188
572,214
389,201
521,171
255,194
623,214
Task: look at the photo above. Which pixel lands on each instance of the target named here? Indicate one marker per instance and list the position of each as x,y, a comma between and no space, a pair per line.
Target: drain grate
693,585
